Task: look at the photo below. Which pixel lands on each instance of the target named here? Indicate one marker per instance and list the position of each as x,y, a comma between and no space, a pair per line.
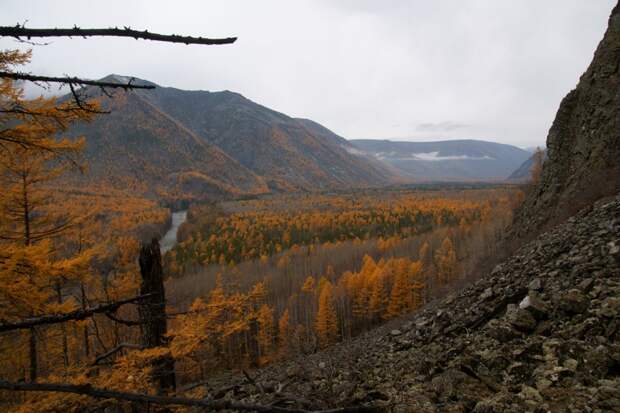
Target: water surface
170,238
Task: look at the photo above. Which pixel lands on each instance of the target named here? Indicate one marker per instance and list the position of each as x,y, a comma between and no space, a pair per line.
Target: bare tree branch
115,350
85,106
20,31
71,316
72,81
88,390
122,320
192,386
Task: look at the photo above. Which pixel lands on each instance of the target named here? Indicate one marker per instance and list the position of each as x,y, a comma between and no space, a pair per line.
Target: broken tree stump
152,312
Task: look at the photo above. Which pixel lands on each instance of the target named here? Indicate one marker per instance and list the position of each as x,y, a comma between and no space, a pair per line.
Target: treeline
264,228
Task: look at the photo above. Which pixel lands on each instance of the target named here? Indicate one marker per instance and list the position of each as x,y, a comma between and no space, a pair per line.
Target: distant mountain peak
116,78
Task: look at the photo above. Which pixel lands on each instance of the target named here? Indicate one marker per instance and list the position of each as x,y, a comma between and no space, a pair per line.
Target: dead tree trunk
254,348
63,329
153,313
85,332
32,341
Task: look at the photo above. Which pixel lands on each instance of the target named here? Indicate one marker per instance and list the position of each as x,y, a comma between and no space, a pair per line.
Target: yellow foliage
326,324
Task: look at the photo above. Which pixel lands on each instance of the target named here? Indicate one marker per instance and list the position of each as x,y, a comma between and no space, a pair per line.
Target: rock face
541,333
584,142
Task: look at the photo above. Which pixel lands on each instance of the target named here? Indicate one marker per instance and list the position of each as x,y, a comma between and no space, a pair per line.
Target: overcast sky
406,70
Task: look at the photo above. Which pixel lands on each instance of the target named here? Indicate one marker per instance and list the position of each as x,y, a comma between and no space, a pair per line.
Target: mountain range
455,160
217,144
208,145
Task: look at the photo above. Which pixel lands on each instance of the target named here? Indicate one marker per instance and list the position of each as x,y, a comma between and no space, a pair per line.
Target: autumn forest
250,280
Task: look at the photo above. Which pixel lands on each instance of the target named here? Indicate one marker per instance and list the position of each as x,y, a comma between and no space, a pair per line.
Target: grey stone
571,364
586,285
530,393
521,319
598,361
535,285
488,406
610,307
501,331
535,305
488,293
574,302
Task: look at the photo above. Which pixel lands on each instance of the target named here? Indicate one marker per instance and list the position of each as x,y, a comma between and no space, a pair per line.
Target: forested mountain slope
137,145
288,153
217,144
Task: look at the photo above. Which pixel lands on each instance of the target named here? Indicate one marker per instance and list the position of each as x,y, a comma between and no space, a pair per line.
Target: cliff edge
583,144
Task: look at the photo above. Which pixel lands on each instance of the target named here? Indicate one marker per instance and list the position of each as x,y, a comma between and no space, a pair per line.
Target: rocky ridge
540,333
583,145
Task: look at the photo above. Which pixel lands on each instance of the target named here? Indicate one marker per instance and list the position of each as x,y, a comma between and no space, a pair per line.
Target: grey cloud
445,126
429,157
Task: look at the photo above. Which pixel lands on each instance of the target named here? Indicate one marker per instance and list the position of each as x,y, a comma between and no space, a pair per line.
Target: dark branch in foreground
88,390
71,316
115,350
72,81
81,103
123,321
21,31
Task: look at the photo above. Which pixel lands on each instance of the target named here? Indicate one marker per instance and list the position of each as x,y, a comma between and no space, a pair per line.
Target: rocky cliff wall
583,143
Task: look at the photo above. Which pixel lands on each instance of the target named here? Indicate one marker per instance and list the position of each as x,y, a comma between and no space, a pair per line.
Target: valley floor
539,333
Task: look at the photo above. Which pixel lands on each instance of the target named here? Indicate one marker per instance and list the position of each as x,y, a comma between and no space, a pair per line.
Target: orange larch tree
31,157
326,324
445,258
399,302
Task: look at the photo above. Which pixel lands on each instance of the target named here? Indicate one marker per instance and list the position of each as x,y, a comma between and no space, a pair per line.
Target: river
170,239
